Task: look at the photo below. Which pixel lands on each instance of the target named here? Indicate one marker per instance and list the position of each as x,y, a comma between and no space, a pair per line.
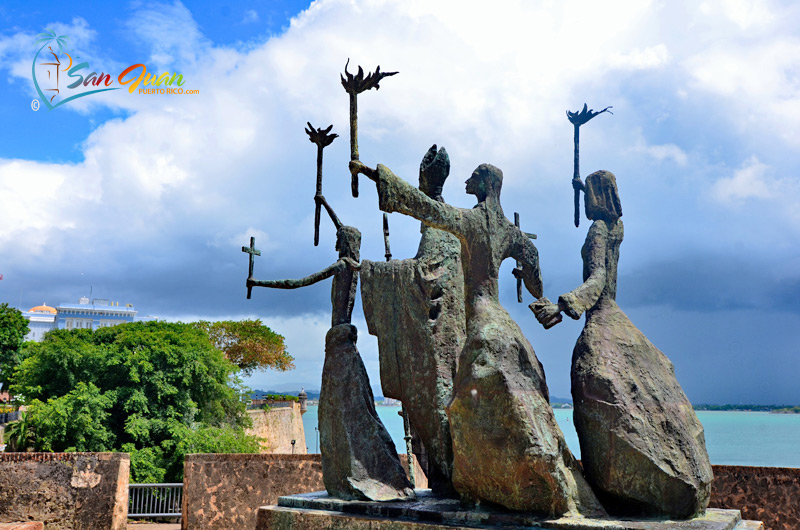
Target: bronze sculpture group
468,378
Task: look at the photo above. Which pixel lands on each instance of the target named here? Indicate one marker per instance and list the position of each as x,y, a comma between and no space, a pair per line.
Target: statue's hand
352,264
577,183
547,313
564,305
356,166
517,272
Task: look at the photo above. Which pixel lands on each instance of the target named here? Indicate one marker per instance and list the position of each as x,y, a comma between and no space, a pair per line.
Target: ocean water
732,438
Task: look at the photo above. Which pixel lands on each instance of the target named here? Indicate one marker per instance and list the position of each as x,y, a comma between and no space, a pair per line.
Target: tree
154,389
13,328
18,434
248,344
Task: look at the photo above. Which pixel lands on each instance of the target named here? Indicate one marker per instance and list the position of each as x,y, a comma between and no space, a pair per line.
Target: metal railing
155,500
8,417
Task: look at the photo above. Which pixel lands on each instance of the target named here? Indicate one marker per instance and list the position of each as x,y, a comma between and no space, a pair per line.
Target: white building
41,319
94,314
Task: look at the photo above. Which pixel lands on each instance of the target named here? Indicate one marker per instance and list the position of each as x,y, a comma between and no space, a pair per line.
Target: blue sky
147,199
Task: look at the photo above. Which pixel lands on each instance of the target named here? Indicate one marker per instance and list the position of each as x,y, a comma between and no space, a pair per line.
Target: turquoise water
732,438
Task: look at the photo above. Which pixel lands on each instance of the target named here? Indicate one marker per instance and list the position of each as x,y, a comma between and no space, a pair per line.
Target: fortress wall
767,494
278,426
224,491
66,491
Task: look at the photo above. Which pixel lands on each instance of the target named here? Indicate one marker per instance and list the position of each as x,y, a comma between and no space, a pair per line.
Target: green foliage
787,410
248,344
13,328
76,421
279,397
18,434
155,389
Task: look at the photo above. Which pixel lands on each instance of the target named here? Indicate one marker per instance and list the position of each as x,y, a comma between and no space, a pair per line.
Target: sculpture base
318,511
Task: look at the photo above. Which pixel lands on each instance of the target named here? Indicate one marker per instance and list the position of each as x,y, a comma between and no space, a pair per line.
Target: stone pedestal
318,511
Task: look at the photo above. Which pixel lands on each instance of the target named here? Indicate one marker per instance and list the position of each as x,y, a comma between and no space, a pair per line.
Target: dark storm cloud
710,282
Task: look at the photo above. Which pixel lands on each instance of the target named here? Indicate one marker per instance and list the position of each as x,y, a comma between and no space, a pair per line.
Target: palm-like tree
50,35
18,434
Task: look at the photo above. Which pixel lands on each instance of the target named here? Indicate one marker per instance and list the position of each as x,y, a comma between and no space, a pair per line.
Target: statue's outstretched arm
302,282
584,297
397,195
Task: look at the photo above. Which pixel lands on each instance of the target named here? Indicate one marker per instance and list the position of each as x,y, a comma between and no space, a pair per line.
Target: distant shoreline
566,403
775,409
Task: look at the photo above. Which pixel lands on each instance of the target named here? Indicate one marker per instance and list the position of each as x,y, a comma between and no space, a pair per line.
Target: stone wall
224,491
278,426
66,491
767,494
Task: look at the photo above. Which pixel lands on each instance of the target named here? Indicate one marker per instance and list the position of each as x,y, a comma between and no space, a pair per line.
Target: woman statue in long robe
507,446
642,446
359,459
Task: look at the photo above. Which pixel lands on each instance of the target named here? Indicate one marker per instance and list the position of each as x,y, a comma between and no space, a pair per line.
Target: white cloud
489,83
170,32
486,84
39,202
753,75
250,16
752,180
660,153
769,199
642,59
746,14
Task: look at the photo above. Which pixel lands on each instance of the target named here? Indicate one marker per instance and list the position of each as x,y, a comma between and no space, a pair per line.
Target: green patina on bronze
354,85
507,447
359,459
642,446
416,309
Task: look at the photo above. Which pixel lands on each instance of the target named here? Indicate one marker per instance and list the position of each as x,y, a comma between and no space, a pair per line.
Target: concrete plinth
318,511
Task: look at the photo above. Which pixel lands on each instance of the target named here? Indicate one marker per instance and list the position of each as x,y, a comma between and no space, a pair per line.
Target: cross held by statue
253,251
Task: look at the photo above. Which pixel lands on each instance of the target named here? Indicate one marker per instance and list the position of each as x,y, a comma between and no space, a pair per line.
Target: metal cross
519,265
253,251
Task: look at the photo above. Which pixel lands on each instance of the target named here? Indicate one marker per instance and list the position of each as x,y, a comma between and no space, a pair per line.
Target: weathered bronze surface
642,446
359,459
507,446
416,309
354,85
577,119
321,138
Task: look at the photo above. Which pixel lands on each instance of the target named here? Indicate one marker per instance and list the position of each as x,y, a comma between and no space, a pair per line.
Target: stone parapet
65,491
224,491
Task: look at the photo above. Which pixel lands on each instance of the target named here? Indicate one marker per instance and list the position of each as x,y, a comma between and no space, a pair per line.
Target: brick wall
767,494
